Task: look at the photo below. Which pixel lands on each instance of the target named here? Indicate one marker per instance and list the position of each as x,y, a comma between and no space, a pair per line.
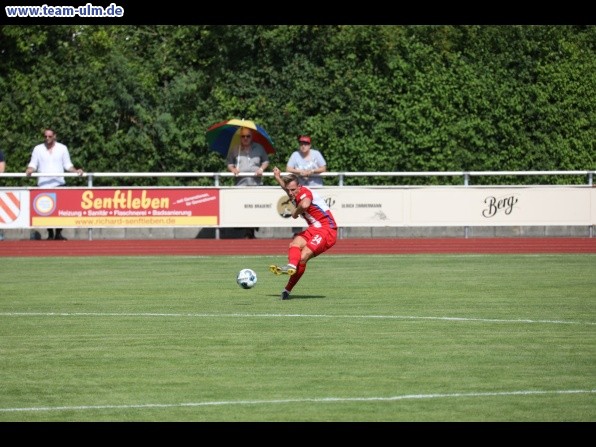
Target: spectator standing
307,163
248,156
2,169
51,157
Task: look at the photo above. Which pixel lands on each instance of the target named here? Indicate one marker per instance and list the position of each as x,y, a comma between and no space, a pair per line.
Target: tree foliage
374,98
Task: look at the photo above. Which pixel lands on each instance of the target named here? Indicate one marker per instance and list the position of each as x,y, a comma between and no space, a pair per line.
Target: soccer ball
246,278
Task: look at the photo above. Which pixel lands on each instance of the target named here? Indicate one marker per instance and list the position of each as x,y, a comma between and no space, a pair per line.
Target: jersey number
317,239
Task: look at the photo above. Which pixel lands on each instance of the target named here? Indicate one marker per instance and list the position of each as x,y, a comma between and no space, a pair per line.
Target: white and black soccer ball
246,278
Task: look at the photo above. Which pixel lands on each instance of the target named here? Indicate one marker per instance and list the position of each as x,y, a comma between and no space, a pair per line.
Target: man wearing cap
307,163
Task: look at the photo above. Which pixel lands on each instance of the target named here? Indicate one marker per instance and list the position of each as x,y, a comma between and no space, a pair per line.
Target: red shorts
319,240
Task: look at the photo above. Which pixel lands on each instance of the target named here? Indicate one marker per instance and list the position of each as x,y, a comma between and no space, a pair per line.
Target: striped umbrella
226,134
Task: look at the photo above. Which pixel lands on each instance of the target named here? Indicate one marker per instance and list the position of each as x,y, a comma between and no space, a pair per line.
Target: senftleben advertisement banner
124,207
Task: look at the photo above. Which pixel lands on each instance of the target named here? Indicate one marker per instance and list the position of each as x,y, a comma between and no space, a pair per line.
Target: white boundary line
285,401
237,315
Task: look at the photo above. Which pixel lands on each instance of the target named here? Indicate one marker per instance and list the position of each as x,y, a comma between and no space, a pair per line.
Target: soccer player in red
319,237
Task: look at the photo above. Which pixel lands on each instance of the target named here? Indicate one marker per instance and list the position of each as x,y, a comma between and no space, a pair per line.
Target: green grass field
365,338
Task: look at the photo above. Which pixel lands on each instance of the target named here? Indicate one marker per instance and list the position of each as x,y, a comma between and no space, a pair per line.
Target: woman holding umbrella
248,156
246,146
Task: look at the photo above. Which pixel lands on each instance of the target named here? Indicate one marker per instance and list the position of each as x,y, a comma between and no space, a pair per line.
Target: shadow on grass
302,297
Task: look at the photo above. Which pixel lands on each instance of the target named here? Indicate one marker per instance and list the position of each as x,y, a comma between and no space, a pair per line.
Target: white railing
216,176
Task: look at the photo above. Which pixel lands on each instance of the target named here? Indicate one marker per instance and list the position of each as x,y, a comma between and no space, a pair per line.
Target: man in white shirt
51,157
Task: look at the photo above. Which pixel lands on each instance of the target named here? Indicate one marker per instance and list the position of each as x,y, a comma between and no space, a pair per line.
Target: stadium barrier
221,208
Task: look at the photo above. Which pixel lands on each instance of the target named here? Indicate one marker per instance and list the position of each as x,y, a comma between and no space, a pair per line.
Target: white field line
277,315
282,255
286,401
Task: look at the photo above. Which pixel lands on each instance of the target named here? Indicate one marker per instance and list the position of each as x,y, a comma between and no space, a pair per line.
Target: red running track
204,247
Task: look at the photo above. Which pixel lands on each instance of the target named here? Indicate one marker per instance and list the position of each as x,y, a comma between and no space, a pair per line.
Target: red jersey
318,214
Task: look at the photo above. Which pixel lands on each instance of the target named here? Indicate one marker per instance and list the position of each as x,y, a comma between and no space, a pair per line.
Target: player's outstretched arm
278,179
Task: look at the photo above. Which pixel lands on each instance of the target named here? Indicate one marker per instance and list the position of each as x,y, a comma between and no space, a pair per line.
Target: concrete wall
286,233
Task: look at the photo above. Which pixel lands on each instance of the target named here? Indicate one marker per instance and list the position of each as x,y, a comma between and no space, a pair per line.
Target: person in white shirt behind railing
51,157
307,163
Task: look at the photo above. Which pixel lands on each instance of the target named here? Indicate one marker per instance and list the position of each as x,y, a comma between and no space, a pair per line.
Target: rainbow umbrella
226,134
